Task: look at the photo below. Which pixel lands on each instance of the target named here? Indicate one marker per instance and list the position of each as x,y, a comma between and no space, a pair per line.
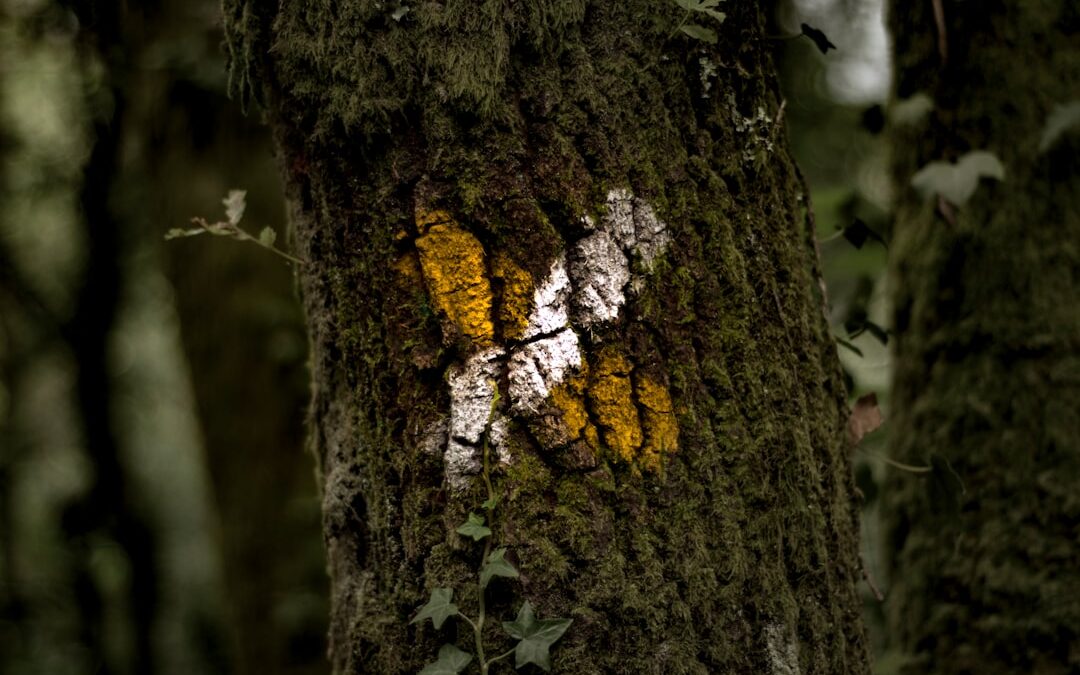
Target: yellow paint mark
407,267
611,394
658,420
425,219
569,397
452,261
516,301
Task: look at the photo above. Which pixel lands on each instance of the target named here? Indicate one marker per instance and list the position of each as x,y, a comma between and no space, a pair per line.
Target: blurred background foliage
158,513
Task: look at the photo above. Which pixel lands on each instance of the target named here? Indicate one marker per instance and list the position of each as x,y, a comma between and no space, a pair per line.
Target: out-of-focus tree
120,590
985,567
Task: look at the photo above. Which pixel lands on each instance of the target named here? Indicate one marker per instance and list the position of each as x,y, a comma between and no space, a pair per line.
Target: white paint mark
600,263
783,650
551,302
599,271
588,285
538,366
472,390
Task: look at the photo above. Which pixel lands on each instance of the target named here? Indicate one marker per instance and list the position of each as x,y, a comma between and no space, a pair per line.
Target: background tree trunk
579,205
985,565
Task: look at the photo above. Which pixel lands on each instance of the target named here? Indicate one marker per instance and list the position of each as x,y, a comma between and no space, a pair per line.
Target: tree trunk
985,567
571,235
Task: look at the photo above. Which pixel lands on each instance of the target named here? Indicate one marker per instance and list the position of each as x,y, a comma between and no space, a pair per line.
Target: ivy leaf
1063,117
439,608
536,635
451,662
818,38
235,203
699,32
399,13
267,237
957,182
474,527
490,503
496,566
858,232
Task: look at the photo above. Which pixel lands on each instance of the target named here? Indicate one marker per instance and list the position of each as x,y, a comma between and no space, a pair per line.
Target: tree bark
985,565
570,233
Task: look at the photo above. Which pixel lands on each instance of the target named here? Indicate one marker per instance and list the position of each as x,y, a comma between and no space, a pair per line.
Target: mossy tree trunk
985,564
580,207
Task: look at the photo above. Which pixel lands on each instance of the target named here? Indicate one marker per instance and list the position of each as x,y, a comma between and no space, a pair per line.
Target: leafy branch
535,636
235,203
694,30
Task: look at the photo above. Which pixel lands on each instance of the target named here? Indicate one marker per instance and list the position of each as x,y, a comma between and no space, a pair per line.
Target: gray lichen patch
783,650
538,366
758,129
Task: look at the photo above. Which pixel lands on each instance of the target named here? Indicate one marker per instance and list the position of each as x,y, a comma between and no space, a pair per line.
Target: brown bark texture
985,562
572,234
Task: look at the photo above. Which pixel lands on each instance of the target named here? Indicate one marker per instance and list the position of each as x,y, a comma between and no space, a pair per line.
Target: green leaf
719,16
235,203
267,237
699,32
439,607
818,38
911,110
957,182
398,13
177,232
536,635
451,662
496,566
491,502
1063,117
474,527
